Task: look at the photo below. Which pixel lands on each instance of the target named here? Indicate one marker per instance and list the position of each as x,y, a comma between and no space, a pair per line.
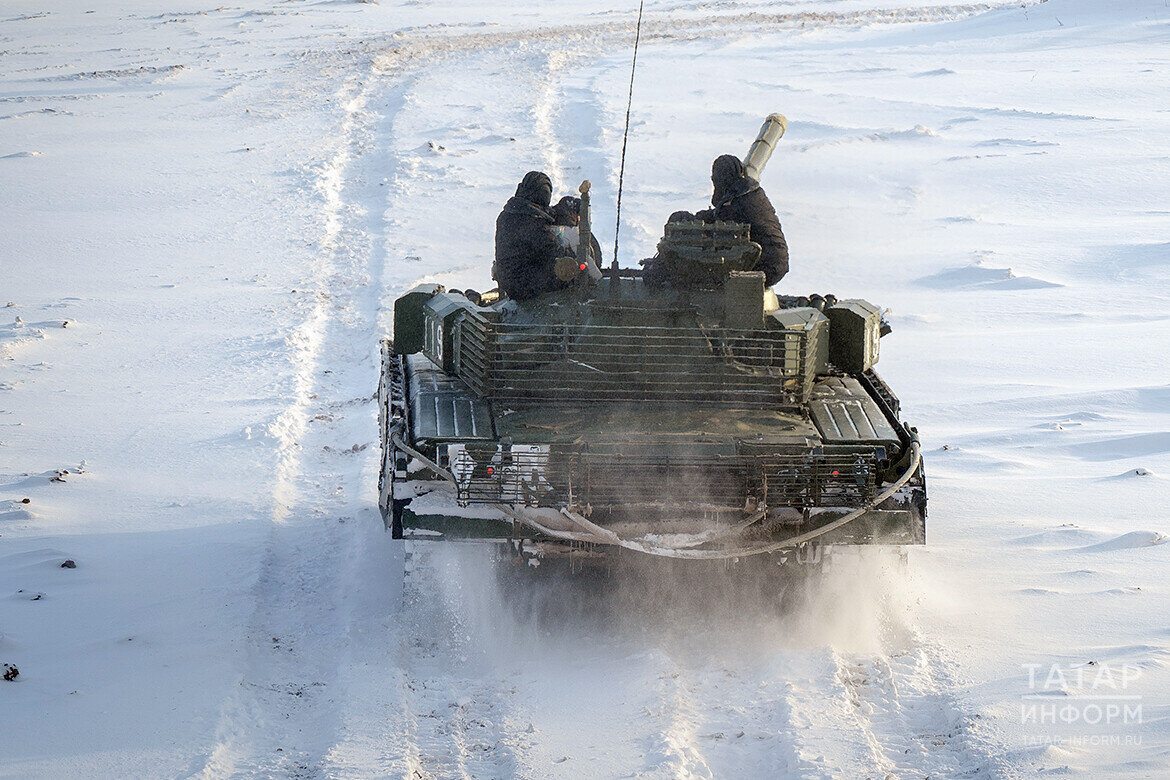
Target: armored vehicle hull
679,411
699,421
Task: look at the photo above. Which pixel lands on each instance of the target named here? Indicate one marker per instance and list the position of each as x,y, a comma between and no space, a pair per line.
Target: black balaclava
536,187
725,172
567,211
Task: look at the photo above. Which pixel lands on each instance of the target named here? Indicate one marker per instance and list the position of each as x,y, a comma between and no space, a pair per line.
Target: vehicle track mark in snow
290,427
284,715
816,731
674,749
906,701
419,701
410,49
456,705
546,111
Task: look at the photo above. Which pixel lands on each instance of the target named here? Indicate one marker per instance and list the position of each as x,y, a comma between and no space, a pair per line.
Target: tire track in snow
412,708
673,750
763,713
456,702
413,49
285,713
453,712
825,737
906,700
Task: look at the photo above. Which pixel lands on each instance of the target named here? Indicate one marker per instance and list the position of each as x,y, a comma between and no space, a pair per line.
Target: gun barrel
761,149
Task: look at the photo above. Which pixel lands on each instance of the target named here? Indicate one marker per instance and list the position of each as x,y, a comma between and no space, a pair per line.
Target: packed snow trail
220,206
284,716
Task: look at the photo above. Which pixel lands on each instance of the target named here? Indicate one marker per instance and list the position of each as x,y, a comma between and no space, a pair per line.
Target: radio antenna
626,135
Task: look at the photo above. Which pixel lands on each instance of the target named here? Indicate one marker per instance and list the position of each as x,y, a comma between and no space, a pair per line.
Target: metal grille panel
574,363
547,475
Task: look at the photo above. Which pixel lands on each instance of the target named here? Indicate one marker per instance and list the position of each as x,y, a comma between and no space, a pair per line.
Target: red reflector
836,473
582,266
491,471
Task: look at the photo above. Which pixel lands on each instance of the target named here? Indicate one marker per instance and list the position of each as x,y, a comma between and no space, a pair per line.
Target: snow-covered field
206,213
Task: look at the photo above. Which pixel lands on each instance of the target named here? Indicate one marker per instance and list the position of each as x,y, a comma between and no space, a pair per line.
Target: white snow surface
209,210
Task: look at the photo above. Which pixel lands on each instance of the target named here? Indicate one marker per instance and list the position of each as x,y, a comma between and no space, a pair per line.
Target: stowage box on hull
854,333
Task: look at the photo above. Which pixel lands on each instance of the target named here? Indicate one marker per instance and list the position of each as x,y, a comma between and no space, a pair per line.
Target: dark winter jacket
739,198
526,246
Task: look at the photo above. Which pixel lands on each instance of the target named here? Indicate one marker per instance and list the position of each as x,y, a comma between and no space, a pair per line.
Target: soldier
654,272
567,214
567,211
739,198
526,244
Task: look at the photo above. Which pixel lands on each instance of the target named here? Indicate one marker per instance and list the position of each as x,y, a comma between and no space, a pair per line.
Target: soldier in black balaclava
739,198
567,213
526,245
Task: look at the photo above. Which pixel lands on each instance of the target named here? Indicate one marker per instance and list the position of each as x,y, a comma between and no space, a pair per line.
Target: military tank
687,413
